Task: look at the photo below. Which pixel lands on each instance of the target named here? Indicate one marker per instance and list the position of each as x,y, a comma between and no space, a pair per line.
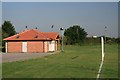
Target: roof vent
36,37
17,37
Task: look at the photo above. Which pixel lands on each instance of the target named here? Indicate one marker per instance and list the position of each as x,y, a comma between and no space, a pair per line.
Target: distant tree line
109,40
94,41
77,35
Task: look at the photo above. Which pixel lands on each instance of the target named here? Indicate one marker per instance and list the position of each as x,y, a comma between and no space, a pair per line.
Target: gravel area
9,57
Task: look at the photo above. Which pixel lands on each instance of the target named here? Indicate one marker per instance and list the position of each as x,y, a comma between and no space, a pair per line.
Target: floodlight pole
61,29
62,41
105,33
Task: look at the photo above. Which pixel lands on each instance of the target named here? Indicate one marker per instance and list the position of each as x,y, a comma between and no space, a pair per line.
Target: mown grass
74,62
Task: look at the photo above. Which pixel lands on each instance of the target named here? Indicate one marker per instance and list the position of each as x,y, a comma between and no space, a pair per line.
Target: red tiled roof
33,34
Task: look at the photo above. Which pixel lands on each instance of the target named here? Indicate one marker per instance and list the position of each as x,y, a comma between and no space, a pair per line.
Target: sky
92,16
59,0
0,12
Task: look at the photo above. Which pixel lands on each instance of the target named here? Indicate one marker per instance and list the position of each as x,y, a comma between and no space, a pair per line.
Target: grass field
75,62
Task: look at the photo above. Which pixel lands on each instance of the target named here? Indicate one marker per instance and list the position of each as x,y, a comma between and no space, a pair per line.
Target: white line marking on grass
98,75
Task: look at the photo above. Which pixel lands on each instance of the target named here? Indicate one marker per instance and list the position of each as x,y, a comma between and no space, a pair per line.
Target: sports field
74,62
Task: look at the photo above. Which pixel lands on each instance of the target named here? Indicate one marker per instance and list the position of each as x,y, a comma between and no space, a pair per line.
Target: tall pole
105,33
62,41
61,29
78,33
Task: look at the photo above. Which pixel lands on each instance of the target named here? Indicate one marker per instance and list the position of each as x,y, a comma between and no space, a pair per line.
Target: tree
7,30
75,34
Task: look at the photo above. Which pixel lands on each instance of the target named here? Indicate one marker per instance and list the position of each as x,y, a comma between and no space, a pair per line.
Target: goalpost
100,68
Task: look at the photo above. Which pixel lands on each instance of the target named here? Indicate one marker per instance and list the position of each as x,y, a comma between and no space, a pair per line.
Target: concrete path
9,57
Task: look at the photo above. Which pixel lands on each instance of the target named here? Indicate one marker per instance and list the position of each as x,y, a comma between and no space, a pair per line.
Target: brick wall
35,46
32,46
14,47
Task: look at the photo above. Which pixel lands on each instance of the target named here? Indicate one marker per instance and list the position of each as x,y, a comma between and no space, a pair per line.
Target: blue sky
59,0
92,16
0,13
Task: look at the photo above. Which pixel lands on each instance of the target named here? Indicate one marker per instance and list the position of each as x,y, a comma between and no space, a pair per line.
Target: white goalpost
100,68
